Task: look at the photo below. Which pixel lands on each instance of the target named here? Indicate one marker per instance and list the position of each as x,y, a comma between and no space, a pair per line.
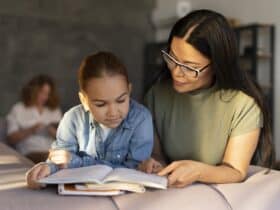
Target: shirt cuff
53,167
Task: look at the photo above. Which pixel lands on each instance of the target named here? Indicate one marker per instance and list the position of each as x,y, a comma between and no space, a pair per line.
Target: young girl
107,128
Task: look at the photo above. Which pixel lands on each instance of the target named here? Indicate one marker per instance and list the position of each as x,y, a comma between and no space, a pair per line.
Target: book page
90,174
134,176
131,187
70,189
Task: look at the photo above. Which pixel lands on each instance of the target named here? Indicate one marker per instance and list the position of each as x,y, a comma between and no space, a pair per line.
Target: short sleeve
12,120
247,117
57,115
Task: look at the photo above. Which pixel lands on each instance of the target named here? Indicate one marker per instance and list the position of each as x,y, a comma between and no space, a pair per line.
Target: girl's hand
37,172
60,157
181,173
150,166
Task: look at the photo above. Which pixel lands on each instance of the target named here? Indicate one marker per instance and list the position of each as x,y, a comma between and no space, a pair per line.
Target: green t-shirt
197,125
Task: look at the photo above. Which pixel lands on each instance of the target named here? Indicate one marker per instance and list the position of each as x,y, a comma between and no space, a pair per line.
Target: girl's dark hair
211,34
30,91
98,65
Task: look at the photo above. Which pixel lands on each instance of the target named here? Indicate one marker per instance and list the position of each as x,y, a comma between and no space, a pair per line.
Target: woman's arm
237,157
20,135
52,130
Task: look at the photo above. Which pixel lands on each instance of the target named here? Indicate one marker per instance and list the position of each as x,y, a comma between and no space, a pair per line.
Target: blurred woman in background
33,121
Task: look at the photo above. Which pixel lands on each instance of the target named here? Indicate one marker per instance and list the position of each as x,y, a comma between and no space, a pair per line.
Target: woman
32,122
209,115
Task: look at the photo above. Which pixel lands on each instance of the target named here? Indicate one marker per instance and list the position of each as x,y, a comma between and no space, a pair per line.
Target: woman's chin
182,89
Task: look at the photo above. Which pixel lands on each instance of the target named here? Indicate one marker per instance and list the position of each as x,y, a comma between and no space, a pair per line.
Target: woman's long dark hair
211,34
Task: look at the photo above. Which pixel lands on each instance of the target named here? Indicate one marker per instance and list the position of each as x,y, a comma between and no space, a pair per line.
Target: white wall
248,11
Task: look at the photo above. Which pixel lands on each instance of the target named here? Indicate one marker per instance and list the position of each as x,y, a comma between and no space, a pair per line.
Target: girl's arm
237,157
157,161
141,144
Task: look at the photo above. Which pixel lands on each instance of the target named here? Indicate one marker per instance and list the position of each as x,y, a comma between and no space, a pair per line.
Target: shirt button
118,156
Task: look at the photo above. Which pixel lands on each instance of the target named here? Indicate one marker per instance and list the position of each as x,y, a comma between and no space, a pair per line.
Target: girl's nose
112,111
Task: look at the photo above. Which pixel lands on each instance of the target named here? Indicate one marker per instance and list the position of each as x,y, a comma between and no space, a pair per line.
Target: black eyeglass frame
185,67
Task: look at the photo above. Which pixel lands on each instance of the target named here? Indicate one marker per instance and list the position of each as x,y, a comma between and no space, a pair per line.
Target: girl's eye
121,101
99,105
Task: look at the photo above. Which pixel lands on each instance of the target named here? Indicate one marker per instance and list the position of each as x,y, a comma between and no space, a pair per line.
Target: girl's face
43,95
186,54
107,98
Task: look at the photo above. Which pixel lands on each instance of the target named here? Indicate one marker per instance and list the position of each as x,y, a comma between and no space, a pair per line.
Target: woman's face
107,98
43,95
186,54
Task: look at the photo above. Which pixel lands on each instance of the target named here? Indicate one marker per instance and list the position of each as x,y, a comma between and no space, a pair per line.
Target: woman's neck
40,108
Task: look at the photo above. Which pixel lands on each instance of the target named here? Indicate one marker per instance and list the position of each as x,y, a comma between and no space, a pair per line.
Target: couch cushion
260,191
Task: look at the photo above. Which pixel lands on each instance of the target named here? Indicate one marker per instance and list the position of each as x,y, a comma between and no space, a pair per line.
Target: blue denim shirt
126,146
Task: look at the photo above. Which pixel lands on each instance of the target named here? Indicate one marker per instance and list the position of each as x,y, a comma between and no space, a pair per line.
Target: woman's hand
182,173
35,173
51,130
37,127
150,166
60,157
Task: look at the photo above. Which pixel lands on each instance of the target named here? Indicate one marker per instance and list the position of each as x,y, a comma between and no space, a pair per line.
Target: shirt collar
124,124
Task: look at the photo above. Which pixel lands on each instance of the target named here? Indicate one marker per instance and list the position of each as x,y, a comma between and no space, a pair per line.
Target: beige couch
258,192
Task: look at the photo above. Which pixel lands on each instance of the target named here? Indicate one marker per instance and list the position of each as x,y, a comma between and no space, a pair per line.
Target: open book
104,178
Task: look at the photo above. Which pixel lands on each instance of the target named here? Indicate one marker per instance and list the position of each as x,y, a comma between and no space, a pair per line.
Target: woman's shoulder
162,85
237,98
238,95
160,90
18,107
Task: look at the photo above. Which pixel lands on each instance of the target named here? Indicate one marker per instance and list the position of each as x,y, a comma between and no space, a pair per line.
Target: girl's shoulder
137,113
75,113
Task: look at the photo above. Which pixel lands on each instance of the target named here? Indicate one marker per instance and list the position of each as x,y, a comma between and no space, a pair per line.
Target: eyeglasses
187,70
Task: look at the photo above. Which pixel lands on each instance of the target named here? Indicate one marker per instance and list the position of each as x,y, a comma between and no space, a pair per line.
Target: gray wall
39,36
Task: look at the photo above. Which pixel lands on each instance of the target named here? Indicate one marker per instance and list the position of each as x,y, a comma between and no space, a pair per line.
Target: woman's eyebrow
184,61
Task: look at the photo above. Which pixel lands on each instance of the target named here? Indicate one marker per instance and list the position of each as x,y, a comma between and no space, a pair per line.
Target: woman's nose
177,72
